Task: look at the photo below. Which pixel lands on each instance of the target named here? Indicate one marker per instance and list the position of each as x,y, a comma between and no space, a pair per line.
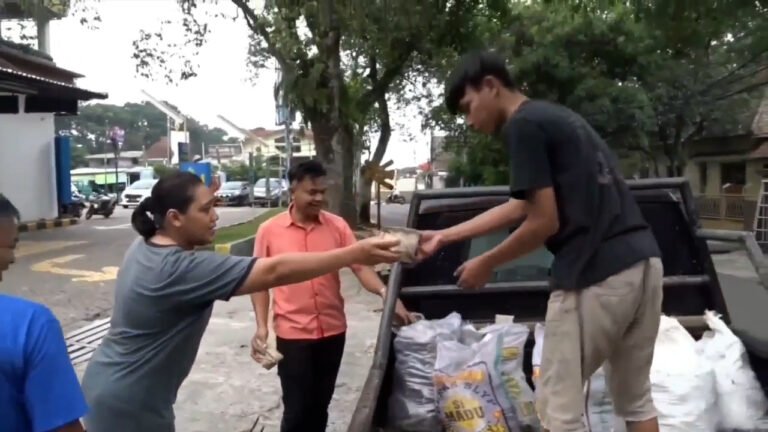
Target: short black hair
470,70
7,209
311,168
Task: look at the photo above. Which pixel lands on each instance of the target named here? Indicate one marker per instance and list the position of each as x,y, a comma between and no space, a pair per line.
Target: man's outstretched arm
502,216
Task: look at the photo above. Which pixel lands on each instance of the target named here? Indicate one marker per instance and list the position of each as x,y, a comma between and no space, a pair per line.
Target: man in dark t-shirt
606,275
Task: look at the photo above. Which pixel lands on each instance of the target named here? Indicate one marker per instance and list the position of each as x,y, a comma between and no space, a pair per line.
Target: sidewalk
226,390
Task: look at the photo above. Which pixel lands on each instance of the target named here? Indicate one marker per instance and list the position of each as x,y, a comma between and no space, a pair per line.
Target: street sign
203,169
379,174
116,137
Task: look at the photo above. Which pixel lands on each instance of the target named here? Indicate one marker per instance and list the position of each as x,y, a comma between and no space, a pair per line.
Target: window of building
733,177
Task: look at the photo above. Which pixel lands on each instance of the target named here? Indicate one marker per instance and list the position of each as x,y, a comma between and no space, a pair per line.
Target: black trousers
308,374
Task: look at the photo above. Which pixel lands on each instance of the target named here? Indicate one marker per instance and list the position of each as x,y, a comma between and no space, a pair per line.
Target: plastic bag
470,390
509,364
412,402
600,416
682,383
740,399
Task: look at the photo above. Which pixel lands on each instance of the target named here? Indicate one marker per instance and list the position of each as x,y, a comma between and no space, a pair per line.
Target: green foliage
143,124
650,78
78,153
241,172
339,60
162,170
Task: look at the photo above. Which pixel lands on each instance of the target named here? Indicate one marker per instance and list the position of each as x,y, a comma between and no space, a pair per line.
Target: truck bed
691,284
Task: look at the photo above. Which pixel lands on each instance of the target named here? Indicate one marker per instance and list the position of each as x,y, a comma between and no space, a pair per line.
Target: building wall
753,174
27,167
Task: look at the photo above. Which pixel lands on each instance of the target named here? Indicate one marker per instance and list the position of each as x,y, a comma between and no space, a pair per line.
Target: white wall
27,167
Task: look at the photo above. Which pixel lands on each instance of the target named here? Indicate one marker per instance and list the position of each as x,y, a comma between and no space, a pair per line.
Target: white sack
740,399
683,384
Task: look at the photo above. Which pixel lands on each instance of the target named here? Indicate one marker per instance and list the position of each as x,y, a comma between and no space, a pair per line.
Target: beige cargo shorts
613,323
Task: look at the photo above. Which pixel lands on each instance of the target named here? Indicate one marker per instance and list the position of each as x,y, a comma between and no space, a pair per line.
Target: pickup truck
520,288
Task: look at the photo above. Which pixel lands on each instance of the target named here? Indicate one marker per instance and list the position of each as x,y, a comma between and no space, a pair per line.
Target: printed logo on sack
467,401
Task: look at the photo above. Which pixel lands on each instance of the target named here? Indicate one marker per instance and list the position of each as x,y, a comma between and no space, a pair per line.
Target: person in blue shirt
39,391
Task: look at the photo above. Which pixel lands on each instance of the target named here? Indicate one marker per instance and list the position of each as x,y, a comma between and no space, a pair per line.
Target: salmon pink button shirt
312,309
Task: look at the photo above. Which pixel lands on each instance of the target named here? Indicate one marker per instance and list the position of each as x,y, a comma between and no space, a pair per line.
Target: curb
47,224
242,247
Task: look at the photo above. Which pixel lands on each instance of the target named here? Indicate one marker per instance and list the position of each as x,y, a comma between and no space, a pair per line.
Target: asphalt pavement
72,270
392,215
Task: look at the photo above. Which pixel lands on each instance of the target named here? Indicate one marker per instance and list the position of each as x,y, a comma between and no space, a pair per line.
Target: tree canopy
339,62
650,78
143,124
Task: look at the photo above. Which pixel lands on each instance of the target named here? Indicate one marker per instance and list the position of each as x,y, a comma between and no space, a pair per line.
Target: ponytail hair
175,191
143,219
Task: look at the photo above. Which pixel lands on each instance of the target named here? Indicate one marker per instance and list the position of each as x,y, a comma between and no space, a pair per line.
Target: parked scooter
101,204
395,198
77,206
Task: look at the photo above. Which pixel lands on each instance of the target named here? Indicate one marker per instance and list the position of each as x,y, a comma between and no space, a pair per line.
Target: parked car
136,192
521,288
278,191
234,193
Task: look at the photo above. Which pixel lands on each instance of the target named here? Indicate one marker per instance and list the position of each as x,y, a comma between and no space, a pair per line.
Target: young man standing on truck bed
606,276
39,390
309,319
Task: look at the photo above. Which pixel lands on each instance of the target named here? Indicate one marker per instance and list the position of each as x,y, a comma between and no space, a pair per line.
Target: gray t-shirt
163,300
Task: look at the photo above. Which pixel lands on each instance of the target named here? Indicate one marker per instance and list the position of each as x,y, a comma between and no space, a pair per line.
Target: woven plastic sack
481,386
412,401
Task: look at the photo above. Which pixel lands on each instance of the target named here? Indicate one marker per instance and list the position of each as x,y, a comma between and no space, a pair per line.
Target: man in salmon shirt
309,321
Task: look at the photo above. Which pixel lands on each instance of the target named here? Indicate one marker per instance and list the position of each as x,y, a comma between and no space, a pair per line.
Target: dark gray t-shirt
602,229
163,300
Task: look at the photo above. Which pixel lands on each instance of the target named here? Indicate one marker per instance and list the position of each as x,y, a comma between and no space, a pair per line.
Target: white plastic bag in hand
740,399
682,383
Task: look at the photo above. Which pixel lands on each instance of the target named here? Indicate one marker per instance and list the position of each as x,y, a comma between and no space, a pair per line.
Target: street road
392,215
72,270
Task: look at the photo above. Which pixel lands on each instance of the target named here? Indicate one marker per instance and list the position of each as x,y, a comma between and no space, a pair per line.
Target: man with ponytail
38,386
164,297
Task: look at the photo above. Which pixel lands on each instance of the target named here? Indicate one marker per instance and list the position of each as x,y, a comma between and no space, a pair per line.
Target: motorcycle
77,206
395,198
101,204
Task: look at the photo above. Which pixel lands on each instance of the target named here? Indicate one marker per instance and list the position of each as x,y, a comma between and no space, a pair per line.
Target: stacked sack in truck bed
450,375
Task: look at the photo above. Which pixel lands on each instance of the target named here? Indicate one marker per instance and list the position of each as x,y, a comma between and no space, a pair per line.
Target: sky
222,87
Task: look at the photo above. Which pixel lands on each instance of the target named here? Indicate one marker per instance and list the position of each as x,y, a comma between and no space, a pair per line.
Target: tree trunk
364,198
335,149
385,132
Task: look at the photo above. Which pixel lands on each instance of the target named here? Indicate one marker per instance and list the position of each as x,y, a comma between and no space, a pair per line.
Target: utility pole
117,137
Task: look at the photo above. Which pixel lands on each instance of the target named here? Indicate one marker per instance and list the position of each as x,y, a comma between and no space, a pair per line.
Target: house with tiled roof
271,143
726,167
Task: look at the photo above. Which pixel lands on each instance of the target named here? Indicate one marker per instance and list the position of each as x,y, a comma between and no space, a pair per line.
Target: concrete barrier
243,247
47,224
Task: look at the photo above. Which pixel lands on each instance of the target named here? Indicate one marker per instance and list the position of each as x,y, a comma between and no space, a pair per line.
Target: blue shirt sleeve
52,392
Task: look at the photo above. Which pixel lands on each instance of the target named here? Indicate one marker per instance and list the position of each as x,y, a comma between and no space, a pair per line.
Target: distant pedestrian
164,297
39,391
309,318
567,194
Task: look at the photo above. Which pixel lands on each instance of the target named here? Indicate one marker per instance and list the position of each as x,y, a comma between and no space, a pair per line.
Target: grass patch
244,230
